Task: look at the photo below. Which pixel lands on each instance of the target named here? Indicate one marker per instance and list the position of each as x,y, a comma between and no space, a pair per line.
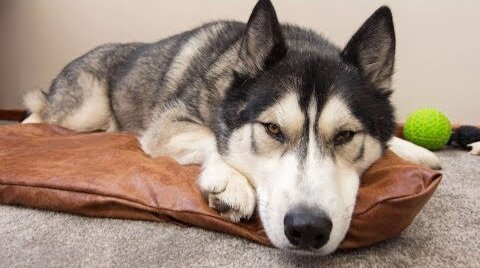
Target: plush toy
466,137
428,128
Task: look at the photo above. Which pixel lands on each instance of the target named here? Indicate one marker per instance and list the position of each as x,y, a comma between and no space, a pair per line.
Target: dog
280,119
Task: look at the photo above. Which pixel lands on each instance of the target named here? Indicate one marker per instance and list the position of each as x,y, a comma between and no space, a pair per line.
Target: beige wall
437,59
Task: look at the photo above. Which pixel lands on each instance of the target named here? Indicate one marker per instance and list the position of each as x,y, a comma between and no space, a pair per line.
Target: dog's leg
174,133
80,103
186,142
189,143
226,189
414,153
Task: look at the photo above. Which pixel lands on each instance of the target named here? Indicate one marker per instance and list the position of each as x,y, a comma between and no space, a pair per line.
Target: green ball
428,128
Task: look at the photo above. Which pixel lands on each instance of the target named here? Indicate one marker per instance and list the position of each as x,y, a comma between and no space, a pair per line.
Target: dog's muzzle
307,228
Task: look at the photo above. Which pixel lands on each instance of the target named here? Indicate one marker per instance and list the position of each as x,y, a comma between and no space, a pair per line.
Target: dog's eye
343,137
274,131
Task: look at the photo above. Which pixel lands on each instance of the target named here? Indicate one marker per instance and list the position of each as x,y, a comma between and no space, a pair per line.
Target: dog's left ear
263,42
372,49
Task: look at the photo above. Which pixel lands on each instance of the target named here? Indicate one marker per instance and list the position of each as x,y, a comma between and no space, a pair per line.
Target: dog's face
303,124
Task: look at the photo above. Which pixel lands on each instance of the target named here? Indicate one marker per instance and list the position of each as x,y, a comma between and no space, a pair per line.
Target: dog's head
303,119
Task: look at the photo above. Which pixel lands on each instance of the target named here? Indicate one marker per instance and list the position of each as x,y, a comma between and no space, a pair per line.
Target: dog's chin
325,250
307,252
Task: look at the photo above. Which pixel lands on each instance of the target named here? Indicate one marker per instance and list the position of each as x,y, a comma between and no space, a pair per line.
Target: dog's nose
307,228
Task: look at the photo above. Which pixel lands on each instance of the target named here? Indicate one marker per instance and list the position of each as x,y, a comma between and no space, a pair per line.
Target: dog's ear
372,49
263,42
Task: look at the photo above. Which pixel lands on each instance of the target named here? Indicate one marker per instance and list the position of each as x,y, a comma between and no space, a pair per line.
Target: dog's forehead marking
336,115
313,150
287,114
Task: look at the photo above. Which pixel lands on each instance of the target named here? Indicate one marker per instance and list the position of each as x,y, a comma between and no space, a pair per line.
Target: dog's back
122,86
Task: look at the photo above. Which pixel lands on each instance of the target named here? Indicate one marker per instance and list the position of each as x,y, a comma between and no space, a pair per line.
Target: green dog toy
428,128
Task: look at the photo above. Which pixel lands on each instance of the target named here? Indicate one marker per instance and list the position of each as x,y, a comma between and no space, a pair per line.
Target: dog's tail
35,101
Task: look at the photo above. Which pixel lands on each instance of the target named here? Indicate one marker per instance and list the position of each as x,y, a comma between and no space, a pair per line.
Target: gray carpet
445,234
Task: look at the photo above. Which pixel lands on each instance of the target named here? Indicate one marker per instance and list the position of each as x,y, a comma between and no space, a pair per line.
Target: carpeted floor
445,234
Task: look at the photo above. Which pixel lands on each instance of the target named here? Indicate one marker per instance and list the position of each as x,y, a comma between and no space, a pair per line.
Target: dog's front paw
415,153
227,191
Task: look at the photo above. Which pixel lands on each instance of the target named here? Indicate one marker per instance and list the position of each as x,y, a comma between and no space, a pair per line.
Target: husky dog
279,118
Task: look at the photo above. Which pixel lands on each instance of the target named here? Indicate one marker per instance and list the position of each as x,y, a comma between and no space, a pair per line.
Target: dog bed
108,175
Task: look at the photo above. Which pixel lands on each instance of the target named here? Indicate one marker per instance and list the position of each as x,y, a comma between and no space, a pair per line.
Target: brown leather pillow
107,175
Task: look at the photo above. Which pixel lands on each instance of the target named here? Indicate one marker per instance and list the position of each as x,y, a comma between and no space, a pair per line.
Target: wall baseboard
13,115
